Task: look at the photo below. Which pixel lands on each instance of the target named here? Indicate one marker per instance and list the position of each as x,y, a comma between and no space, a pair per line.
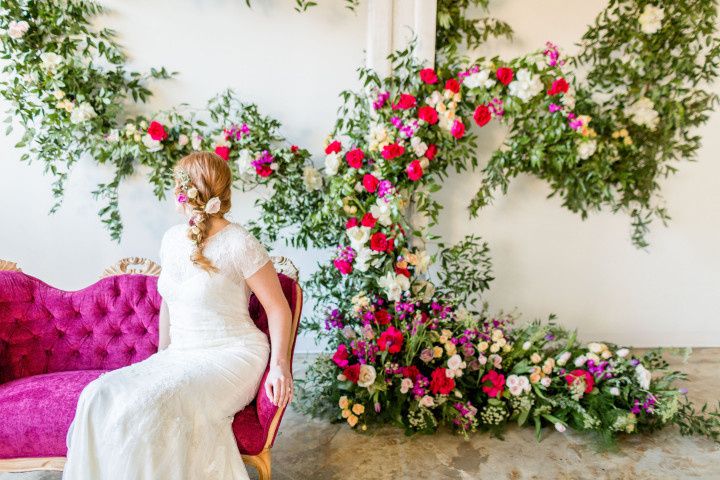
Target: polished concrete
314,449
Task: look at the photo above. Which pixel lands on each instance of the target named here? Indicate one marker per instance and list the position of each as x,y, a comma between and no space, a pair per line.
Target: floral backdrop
412,342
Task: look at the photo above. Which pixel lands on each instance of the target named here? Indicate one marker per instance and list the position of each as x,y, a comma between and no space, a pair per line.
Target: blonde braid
213,184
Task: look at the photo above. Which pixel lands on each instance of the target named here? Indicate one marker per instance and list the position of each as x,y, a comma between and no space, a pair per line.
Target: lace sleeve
251,255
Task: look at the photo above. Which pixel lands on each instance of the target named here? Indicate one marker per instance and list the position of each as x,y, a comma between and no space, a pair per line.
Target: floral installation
399,308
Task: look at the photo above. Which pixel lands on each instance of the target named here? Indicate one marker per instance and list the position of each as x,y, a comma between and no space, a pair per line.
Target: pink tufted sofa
54,342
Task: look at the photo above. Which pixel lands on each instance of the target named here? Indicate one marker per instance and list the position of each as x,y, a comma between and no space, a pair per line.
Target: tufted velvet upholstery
54,342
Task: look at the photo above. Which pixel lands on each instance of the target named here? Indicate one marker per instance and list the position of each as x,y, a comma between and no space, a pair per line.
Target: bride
169,416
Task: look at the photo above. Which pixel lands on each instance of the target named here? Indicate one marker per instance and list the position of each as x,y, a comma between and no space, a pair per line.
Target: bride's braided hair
204,184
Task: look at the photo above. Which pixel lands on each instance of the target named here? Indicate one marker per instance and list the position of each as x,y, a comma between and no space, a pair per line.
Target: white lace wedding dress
169,416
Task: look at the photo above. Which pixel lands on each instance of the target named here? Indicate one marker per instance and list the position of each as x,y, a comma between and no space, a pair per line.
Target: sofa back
107,325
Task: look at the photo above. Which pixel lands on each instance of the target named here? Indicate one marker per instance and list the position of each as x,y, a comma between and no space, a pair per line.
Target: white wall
293,66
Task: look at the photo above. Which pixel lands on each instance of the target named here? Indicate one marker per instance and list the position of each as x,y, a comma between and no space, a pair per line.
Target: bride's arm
266,287
164,328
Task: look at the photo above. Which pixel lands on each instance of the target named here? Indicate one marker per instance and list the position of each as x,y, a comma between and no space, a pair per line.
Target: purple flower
554,107
380,100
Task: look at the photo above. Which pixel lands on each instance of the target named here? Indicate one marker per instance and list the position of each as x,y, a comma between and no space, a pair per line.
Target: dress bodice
209,308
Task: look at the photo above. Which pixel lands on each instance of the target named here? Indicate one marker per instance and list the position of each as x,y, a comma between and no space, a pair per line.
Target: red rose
458,129
343,266
368,220
352,222
402,271
482,115
440,383
156,130
223,152
355,157
581,374
414,171
378,242
410,372
428,75
382,317
294,148
452,85
341,356
505,75
264,170
405,102
429,114
431,151
370,182
558,86
392,151
391,340
352,372
390,245
497,383
334,147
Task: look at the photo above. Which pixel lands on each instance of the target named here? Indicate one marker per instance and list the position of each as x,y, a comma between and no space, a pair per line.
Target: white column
380,36
425,26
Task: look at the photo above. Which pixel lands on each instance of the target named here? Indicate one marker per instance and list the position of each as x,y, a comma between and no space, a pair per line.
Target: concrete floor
314,449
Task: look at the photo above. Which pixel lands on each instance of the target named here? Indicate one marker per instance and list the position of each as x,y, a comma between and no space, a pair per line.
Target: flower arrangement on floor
421,364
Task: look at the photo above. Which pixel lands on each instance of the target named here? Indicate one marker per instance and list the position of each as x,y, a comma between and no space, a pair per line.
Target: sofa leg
262,463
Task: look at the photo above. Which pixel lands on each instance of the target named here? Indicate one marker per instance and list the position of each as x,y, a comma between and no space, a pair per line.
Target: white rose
643,112
151,144
614,391
524,383
213,205
244,161
643,376
526,85
563,358
362,259
418,146
381,211
192,192
367,375
622,353
83,112
427,401
405,385
332,163
358,236
527,345
479,79
455,362
17,30
545,381
312,178
559,427
394,285
586,149
651,19
580,361
595,347
183,140
50,61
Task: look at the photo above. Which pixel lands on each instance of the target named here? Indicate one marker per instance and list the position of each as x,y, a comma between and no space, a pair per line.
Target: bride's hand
279,384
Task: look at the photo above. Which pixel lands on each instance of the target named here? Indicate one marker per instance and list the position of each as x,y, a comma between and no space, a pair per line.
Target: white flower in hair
192,192
212,206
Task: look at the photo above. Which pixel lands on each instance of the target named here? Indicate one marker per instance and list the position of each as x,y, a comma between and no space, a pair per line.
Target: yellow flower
497,334
352,420
450,348
482,346
548,366
358,408
495,347
364,427
627,141
437,352
535,358
343,403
